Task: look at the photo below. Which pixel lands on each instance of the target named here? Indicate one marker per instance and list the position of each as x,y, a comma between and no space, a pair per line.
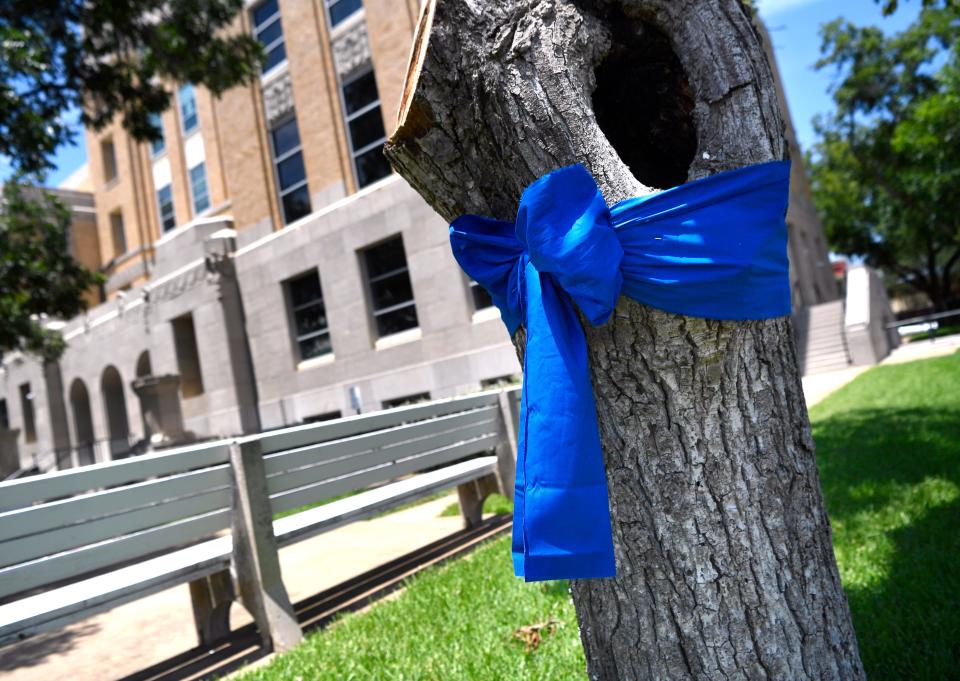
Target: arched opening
644,104
82,422
111,387
143,364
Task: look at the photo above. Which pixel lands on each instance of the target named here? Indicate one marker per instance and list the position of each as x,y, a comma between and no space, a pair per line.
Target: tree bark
725,562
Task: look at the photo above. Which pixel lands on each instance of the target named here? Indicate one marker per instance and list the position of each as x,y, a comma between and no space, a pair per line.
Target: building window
269,31
198,188
288,167
341,9
117,233
481,298
318,418
188,357
309,315
26,409
499,381
391,295
168,220
361,105
158,144
4,416
188,108
405,400
109,156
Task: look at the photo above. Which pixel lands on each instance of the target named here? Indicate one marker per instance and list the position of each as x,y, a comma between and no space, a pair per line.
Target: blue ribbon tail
561,512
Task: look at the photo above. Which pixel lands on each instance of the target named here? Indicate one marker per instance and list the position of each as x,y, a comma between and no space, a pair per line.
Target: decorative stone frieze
351,50
278,97
177,286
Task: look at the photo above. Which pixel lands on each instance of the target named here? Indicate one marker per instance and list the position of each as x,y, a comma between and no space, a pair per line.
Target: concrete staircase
821,342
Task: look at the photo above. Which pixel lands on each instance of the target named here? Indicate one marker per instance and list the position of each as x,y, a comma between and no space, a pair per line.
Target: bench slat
27,491
52,569
58,607
73,536
336,469
284,501
300,436
35,519
360,444
324,518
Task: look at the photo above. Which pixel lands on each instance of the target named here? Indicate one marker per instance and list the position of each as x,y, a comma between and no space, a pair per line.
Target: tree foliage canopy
886,168
111,60
108,58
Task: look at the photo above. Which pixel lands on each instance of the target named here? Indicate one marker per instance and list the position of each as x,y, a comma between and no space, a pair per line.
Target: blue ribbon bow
714,248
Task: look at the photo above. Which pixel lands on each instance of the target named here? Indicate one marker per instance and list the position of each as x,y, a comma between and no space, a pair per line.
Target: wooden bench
78,542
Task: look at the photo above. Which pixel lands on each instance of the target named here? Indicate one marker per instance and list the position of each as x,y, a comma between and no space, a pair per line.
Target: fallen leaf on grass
533,634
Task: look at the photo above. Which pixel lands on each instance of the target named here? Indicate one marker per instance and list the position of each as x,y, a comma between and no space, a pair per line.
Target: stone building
263,266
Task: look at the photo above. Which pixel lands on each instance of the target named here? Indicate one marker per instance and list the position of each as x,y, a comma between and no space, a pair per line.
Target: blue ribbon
714,248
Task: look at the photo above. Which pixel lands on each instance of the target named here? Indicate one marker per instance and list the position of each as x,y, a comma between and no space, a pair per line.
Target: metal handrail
925,318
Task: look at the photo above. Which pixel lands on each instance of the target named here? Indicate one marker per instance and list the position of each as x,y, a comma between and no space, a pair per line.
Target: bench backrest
63,526
303,470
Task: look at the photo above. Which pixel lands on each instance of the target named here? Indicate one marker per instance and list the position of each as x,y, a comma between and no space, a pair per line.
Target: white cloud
769,8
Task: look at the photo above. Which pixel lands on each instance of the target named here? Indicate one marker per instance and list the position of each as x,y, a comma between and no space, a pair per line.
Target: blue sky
794,29
794,26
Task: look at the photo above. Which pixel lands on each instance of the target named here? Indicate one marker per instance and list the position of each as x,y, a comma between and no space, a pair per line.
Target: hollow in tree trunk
725,567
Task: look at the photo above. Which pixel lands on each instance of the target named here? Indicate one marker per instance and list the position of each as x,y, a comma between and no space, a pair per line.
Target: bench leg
256,565
507,448
472,495
211,598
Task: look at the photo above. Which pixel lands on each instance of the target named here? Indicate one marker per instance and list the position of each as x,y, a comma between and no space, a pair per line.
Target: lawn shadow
871,447
908,625
890,479
36,649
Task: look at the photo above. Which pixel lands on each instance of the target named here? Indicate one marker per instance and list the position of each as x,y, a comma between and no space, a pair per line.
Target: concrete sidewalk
818,386
936,347
134,636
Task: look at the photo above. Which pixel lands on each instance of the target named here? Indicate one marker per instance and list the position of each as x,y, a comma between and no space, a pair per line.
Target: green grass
495,503
456,622
887,448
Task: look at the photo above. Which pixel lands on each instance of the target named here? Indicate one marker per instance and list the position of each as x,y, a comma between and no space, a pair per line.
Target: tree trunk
724,553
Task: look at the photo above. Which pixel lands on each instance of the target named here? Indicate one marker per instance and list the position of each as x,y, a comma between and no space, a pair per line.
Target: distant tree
38,277
886,167
109,59
891,6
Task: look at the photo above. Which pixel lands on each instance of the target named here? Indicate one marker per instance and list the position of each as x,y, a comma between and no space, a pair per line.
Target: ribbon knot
566,239
713,248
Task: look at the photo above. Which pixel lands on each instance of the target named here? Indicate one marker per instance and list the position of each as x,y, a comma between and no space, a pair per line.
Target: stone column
160,405
9,454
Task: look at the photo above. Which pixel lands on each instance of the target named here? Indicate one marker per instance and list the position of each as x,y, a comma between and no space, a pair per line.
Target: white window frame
196,113
256,28
281,192
157,153
347,118
173,207
371,280
298,338
206,182
330,3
